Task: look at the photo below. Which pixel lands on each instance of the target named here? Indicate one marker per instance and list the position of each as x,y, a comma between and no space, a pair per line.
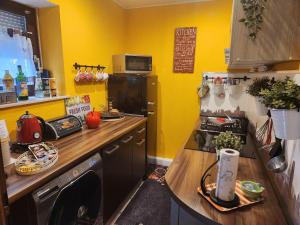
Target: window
18,41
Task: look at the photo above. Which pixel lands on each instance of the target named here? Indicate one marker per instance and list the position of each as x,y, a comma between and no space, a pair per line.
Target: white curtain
14,51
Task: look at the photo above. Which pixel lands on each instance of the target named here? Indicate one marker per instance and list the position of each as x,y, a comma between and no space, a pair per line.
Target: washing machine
74,198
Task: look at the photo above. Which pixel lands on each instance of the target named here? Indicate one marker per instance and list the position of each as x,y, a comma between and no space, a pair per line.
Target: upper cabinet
277,41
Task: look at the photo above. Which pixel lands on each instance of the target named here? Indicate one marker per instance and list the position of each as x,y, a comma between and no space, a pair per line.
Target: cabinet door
117,171
127,149
139,155
273,41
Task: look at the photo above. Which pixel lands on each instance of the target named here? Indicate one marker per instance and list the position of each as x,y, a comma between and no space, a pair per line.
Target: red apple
92,119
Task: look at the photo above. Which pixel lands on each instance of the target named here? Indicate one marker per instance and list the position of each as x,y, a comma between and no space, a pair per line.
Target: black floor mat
150,206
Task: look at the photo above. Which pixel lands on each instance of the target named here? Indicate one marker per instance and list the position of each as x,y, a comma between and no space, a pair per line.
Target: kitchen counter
183,178
72,150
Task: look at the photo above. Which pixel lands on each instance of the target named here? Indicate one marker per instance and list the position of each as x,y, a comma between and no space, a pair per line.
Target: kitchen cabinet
124,164
278,40
139,155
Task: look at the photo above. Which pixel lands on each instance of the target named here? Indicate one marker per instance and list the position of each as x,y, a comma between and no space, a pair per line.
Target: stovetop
201,138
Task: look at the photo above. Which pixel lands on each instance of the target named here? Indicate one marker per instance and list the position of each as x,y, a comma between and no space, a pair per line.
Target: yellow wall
51,45
91,32
151,31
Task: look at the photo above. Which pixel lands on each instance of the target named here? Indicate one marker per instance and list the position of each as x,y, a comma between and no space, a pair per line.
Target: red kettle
30,129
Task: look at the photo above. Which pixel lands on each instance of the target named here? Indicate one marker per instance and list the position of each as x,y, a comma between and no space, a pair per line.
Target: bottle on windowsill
8,82
21,81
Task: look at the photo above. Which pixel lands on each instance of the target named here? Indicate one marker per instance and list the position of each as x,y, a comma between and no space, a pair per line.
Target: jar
8,82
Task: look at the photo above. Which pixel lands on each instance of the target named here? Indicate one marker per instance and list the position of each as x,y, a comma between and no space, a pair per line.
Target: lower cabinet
139,155
124,164
180,216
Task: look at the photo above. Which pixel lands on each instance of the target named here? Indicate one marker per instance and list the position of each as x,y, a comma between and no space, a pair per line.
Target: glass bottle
22,89
8,82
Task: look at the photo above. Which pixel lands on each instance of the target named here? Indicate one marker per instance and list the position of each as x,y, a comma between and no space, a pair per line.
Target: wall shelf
32,101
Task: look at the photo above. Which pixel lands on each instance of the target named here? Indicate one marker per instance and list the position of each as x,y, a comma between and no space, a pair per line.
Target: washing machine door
79,203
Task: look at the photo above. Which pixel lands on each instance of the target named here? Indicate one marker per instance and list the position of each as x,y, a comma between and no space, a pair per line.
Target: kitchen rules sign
184,49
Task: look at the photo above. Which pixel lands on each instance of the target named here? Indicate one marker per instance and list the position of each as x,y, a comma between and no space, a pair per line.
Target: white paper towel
5,148
227,171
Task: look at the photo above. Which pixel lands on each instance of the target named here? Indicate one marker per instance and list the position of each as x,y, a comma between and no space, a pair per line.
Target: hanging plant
253,19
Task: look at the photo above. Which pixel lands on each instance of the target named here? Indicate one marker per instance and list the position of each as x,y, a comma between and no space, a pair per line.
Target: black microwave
129,63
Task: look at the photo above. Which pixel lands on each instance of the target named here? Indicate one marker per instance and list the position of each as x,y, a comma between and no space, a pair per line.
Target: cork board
184,49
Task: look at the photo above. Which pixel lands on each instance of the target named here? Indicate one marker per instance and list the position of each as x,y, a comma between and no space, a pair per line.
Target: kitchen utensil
278,163
204,89
261,132
234,86
269,132
99,76
252,189
276,149
219,89
77,77
30,129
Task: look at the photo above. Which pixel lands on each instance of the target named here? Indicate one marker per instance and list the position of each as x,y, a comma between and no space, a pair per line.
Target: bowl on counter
252,189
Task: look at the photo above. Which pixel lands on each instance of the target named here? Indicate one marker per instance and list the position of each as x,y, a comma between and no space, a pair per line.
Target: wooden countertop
183,178
72,150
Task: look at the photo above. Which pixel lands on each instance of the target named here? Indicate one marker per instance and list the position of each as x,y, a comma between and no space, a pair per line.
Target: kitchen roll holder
212,194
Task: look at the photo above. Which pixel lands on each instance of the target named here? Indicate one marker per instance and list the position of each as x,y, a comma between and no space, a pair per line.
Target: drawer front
140,132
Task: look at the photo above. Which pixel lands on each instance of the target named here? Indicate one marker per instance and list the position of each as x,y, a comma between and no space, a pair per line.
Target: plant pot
261,109
286,123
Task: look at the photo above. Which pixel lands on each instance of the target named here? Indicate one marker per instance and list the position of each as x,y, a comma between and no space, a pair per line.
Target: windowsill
32,101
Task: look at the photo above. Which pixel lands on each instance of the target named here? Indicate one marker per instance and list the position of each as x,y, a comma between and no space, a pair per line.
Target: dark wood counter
183,178
72,150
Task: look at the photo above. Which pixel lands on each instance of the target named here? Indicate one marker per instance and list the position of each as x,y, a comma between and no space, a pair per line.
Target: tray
30,164
244,201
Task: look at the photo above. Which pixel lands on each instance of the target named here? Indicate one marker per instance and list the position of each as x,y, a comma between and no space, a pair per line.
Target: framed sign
78,106
184,49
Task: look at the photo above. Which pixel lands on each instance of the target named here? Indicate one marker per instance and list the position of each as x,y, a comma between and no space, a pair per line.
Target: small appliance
30,129
61,127
132,64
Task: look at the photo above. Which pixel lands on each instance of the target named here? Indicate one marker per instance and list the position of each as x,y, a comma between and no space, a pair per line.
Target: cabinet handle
151,113
141,130
151,103
110,152
127,140
141,142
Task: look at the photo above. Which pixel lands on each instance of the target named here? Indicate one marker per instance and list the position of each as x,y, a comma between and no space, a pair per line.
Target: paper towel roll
227,171
5,151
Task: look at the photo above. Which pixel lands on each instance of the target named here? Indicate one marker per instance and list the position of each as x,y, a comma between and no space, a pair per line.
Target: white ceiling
130,4
36,3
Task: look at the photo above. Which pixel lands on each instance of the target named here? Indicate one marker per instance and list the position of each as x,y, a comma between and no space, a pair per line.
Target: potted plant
254,90
227,140
284,101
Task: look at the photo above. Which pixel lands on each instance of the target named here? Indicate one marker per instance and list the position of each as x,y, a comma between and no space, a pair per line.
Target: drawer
140,132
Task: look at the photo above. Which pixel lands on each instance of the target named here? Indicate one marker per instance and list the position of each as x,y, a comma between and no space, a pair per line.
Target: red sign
184,50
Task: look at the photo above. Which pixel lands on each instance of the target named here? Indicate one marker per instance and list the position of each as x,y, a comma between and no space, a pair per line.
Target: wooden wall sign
184,50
